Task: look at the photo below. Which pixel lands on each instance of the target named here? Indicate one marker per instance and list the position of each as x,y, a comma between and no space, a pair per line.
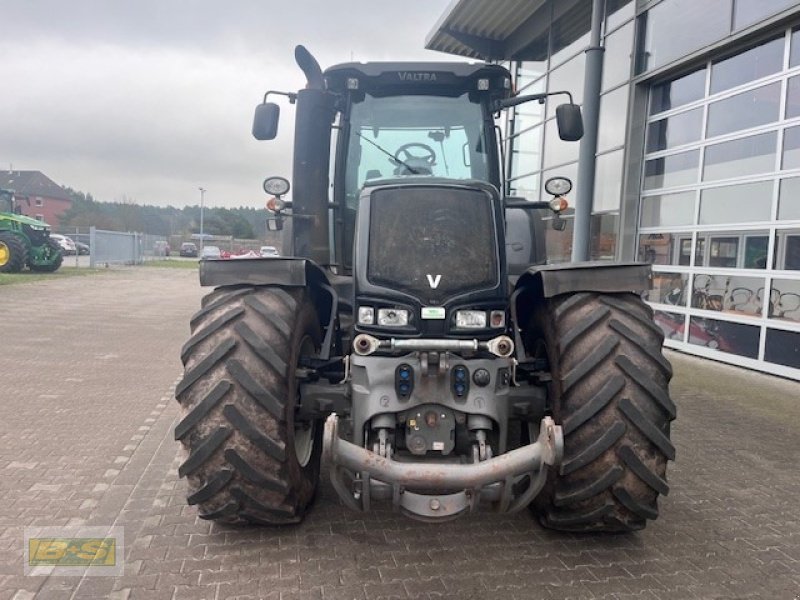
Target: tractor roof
460,75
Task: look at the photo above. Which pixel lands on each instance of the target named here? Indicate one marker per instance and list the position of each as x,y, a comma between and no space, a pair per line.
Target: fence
99,247
114,247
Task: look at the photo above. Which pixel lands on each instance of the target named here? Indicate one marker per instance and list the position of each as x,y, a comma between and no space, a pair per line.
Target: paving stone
99,449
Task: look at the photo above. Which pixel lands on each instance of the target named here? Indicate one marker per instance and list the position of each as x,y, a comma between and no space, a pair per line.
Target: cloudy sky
147,100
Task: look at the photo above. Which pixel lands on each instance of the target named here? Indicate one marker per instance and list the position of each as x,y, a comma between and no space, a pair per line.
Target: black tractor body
412,333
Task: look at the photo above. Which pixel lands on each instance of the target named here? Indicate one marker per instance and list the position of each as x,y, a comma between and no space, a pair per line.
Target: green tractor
25,242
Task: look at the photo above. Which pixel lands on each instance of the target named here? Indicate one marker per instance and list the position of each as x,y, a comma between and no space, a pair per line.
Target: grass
172,264
31,276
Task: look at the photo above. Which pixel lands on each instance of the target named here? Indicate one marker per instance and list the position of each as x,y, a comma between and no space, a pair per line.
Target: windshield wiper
389,154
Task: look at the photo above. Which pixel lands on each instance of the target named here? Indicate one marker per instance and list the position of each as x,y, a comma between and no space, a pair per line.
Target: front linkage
359,475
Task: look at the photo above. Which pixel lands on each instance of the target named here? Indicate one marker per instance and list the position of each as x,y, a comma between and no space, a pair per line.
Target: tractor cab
391,122
7,203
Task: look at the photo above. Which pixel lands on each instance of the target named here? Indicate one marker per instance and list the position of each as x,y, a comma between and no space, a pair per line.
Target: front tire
247,460
610,395
13,253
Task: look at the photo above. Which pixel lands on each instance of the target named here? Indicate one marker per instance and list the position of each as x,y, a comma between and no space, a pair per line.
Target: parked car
161,248
211,252
269,251
188,249
83,249
68,247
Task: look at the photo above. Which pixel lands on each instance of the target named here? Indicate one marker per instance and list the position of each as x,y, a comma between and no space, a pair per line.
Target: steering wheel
404,155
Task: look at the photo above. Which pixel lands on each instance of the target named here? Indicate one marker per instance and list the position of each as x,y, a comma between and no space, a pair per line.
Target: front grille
432,242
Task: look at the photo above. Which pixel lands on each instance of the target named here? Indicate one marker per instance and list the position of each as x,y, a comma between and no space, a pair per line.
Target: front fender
547,281
280,271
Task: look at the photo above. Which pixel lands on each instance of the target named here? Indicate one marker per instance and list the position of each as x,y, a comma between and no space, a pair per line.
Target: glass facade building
698,156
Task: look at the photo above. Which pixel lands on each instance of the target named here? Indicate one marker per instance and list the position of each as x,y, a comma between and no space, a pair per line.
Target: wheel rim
305,432
5,254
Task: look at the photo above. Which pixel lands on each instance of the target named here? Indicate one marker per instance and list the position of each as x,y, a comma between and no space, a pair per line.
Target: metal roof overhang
500,29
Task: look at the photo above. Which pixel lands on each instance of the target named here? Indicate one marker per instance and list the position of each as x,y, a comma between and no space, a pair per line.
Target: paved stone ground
86,416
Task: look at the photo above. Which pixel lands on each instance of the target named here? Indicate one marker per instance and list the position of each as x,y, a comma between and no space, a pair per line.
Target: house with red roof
37,195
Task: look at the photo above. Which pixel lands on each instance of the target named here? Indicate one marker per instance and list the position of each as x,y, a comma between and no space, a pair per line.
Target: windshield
399,136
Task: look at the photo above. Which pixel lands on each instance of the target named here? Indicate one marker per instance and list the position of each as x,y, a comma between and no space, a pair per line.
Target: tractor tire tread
610,394
237,420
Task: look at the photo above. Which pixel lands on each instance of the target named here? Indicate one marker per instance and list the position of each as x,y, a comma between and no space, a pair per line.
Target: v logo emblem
433,280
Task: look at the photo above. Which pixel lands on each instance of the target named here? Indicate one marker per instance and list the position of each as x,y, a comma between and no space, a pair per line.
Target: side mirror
275,223
265,121
570,122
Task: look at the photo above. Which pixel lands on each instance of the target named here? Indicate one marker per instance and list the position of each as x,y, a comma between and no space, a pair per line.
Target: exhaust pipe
310,67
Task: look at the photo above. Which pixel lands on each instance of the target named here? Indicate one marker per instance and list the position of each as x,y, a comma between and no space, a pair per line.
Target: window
432,134
783,348
677,27
789,201
794,57
664,248
737,158
608,181
750,65
793,97
39,217
672,324
559,243
568,77
556,150
678,92
667,210
755,251
526,151
724,336
723,252
668,288
791,148
526,187
784,300
728,293
529,71
677,130
674,170
603,231
743,111
787,250
38,201
527,115
613,119
736,203
749,11
617,60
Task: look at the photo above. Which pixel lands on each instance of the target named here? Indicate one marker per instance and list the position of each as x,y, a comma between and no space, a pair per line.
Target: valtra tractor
412,338
25,242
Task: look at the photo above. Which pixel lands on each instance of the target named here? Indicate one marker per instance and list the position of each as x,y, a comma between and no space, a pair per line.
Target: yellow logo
72,552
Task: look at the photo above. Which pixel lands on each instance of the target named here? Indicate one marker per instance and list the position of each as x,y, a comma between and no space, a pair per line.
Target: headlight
471,319
392,317
558,186
366,315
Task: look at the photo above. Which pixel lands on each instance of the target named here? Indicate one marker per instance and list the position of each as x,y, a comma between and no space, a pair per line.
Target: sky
147,101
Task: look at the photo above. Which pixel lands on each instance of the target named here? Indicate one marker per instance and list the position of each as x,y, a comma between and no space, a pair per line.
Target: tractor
25,242
412,339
